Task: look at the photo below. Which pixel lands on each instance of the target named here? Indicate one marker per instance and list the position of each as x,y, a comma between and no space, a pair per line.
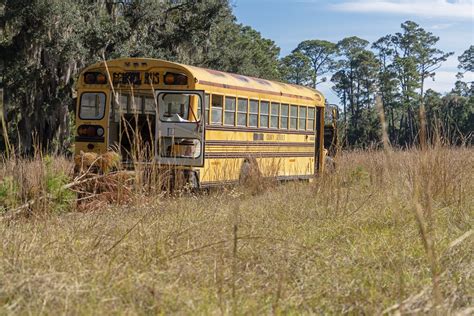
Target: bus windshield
92,106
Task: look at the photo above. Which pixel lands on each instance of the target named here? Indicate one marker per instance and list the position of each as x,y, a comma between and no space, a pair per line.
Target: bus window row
242,112
232,111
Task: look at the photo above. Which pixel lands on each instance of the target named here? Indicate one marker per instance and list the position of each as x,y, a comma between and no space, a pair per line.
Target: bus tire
329,164
193,180
249,170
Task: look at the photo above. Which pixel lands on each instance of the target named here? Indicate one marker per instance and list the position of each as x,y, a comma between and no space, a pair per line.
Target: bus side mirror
335,115
74,104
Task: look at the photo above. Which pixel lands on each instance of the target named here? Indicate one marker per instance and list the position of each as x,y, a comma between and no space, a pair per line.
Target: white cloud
444,81
451,63
459,9
442,26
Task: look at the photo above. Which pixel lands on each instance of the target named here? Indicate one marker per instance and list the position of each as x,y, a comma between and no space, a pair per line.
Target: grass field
385,233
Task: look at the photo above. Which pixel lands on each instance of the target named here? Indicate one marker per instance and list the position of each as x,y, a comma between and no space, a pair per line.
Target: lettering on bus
152,77
274,137
135,78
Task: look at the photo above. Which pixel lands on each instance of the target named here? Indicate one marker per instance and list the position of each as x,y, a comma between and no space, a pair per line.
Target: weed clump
8,192
60,197
36,186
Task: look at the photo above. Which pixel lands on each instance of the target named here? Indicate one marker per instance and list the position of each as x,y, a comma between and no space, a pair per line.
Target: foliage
8,192
45,43
396,68
55,181
241,49
415,59
466,61
321,56
296,68
36,185
355,84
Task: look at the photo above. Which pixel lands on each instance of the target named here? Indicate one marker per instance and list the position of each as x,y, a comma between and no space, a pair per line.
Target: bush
8,193
61,198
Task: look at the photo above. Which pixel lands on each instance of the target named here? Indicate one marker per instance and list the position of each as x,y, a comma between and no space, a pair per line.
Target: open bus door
180,125
331,139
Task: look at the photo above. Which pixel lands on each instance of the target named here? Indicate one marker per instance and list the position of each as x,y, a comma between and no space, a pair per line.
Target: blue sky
288,22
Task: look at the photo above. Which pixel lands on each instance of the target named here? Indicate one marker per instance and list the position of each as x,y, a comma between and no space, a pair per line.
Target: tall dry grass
36,185
387,232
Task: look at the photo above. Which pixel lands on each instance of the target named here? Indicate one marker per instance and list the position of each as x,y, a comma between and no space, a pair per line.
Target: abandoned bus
209,125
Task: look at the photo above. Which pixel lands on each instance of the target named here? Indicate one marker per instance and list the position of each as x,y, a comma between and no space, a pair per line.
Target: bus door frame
319,140
173,129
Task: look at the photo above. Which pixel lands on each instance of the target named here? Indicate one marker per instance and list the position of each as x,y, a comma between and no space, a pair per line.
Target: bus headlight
100,131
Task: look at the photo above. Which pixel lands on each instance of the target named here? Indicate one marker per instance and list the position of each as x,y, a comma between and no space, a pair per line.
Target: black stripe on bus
234,154
231,143
89,139
208,184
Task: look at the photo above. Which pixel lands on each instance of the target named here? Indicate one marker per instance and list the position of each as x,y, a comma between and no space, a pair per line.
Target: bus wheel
193,180
249,171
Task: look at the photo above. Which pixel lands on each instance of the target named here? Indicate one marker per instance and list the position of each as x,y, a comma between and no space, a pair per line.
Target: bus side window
310,126
242,110
264,107
293,116
274,114
135,106
216,110
302,116
150,106
121,107
253,113
229,113
206,109
124,103
284,116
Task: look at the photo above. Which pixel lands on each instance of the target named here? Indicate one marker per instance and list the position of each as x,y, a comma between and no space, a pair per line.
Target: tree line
396,67
45,43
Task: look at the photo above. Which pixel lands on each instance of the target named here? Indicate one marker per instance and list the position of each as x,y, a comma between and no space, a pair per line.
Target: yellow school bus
210,126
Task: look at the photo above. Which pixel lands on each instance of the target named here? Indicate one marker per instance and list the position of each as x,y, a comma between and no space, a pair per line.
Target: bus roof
211,77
